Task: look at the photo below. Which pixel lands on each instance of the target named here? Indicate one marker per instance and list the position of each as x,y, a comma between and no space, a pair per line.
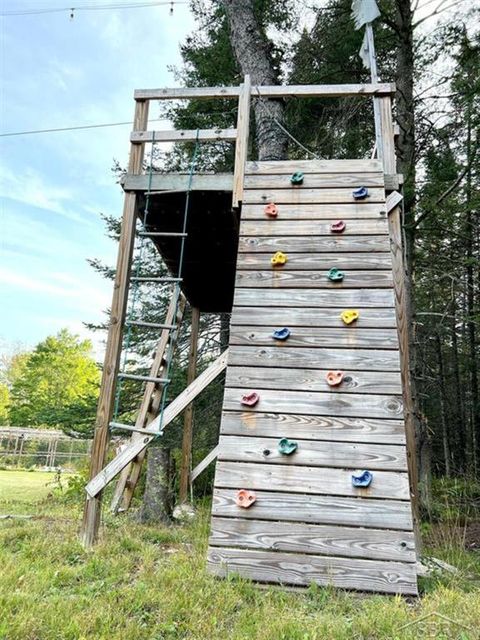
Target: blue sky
58,72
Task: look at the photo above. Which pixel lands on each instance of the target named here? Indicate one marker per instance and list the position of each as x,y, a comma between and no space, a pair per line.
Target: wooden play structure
315,478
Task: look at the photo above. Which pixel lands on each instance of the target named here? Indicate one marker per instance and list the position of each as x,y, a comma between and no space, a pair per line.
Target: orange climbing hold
278,259
245,498
349,315
271,210
334,378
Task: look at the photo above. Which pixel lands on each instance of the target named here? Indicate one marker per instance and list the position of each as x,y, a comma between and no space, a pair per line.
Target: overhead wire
92,7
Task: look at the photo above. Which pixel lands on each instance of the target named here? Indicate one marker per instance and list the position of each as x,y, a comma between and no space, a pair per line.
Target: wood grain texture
319,262
314,298
344,359
314,180
320,404
348,211
303,195
389,382
314,244
352,337
309,480
283,279
267,167
310,453
289,228
302,570
257,423
353,542
370,319
300,507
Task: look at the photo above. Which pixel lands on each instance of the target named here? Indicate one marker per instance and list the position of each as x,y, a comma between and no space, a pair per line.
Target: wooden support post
188,415
91,516
241,147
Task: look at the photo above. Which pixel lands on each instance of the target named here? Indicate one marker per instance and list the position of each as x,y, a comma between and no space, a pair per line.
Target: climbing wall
312,404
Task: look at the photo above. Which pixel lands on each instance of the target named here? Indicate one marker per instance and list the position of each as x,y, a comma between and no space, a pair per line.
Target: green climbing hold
297,178
335,275
287,446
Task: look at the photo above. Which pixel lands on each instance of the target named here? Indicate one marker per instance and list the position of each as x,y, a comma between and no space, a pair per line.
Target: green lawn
25,486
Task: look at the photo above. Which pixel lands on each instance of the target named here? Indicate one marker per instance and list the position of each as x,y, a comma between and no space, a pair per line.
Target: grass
25,486
150,583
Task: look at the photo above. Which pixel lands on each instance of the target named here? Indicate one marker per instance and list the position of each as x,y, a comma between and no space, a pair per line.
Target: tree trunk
157,499
252,52
443,406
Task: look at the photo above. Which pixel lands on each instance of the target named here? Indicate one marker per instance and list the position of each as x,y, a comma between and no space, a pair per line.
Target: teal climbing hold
335,275
287,447
297,178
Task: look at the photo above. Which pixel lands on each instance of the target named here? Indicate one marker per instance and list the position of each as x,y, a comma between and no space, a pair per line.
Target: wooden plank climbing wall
308,522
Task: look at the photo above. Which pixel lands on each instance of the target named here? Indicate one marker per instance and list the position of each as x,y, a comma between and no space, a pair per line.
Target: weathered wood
319,403
352,337
241,147
393,200
314,298
348,211
306,195
298,507
256,423
184,135
287,279
201,466
388,135
353,542
140,442
314,180
187,438
268,167
290,228
308,480
177,182
314,244
311,317
92,510
297,569
389,382
320,262
305,358
310,453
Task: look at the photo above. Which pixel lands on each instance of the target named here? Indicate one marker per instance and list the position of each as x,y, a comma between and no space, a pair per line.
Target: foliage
4,403
57,386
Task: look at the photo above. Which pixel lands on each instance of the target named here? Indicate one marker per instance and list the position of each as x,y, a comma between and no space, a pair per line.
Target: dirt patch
472,536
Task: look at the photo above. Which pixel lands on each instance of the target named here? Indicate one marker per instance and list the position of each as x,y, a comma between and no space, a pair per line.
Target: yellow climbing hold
278,258
349,316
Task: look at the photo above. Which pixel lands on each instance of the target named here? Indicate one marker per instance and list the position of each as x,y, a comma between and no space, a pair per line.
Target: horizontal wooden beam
178,182
184,135
268,91
201,466
141,441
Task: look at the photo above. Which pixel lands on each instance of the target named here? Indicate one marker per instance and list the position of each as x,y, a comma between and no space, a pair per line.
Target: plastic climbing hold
287,447
278,259
271,210
363,479
250,399
360,194
349,315
335,275
297,178
245,498
338,226
334,378
281,334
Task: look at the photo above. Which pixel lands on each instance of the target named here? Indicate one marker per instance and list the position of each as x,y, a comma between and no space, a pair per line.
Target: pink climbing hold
338,226
250,399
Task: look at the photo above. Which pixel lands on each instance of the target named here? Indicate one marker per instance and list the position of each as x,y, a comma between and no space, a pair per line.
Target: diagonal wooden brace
141,441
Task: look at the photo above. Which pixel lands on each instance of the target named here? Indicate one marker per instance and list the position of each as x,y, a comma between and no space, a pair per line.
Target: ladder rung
159,234
133,376
155,279
128,427
151,325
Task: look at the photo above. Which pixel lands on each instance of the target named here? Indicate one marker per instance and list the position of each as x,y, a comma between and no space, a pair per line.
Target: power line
77,128
92,7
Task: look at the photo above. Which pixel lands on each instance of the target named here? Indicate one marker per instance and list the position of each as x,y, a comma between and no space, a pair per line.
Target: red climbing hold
245,498
334,378
271,210
250,399
338,226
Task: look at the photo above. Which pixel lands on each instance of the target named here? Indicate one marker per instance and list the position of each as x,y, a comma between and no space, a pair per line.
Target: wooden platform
309,524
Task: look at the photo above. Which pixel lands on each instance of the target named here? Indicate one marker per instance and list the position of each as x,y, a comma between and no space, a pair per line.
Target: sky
62,72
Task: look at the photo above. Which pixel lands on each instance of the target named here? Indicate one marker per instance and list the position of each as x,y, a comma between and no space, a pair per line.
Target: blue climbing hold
363,479
281,334
287,447
360,194
297,178
335,275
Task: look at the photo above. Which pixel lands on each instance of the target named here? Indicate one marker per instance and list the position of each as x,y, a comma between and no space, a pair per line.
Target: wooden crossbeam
141,441
269,91
201,466
184,135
